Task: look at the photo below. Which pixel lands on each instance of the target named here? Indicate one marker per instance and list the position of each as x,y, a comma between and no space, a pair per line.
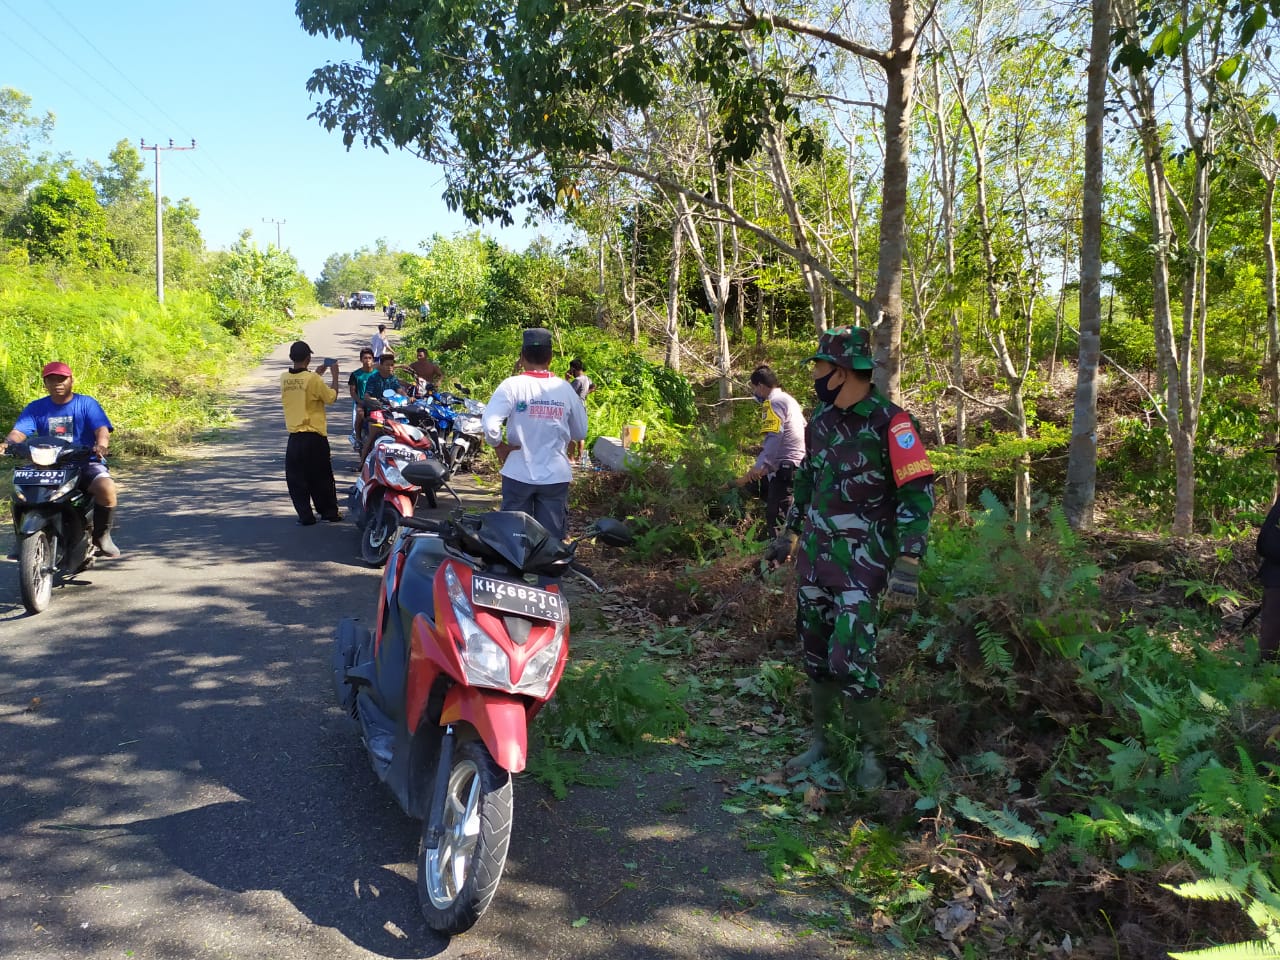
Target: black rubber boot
102,532
866,718
825,694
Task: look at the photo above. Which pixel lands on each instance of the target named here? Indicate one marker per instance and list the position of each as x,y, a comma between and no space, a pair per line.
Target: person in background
379,342
783,426
1268,548
582,386
80,419
863,502
541,414
308,465
356,384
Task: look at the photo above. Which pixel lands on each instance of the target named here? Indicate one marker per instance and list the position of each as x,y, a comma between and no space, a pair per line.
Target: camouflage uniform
854,520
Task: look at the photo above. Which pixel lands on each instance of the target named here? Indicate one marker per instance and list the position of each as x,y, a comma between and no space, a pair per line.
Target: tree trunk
1082,456
601,276
673,296
799,232
900,72
1273,325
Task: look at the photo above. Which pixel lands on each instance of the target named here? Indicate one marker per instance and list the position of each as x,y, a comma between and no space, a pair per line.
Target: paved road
175,783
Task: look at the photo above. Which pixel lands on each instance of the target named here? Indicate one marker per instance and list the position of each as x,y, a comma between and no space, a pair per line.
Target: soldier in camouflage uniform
863,499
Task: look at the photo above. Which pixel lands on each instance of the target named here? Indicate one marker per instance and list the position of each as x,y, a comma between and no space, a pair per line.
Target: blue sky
231,75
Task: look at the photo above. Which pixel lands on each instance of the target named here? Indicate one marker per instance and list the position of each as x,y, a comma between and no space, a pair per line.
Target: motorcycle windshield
517,538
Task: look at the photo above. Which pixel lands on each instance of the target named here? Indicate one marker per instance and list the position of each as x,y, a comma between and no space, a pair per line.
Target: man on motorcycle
383,379
80,418
542,415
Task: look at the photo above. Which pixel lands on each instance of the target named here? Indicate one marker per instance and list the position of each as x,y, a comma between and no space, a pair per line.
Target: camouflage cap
845,347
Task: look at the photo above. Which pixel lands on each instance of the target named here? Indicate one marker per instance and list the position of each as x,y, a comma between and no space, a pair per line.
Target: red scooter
471,638
382,495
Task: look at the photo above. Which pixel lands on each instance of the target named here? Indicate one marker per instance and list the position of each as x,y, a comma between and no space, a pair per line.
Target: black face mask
822,387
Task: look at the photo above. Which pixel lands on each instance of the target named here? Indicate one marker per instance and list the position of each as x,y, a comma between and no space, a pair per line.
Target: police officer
858,528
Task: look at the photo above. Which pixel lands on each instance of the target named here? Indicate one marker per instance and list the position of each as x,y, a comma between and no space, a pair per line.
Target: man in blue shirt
80,419
383,379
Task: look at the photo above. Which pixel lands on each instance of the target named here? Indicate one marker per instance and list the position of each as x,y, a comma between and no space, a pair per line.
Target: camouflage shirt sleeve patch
906,450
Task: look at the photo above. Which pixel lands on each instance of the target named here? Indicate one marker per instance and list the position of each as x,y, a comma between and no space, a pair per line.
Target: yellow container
633,433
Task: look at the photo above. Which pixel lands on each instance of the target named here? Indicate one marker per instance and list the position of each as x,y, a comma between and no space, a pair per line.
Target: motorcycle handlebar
427,526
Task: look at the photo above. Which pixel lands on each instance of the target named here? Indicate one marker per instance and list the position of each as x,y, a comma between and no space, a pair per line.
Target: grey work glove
903,588
782,548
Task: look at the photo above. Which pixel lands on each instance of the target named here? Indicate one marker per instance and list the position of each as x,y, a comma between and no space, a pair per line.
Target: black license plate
516,598
38,477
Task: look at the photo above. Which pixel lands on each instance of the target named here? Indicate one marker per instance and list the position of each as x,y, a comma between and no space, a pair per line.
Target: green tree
20,165
252,286
63,221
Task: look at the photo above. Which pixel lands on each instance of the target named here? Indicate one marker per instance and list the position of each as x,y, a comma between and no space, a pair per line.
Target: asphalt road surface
177,784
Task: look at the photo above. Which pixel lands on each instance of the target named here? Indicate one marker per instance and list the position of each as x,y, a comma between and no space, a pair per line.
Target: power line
142,93
78,91
71,60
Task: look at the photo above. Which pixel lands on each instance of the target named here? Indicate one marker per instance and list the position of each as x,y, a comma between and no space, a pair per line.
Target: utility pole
277,223
156,148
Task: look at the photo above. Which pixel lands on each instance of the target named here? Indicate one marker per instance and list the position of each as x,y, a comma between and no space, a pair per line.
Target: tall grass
159,371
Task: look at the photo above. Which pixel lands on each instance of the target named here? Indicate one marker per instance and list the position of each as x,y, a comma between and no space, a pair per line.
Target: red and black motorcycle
471,639
382,495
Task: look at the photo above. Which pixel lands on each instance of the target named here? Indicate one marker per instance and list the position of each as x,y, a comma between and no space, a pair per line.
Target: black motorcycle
52,516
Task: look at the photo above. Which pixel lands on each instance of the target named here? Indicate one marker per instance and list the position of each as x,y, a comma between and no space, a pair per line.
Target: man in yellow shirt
308,468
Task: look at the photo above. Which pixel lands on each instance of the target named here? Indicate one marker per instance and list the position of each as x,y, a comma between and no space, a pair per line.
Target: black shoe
105,547
306,521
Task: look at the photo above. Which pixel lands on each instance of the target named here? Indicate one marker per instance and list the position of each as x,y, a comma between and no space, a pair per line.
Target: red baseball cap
55,369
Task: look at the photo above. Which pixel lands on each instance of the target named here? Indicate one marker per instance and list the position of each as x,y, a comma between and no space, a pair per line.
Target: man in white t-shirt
543,415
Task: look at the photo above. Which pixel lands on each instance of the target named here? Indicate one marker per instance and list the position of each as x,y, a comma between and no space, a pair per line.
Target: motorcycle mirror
461,389
613,532
428,474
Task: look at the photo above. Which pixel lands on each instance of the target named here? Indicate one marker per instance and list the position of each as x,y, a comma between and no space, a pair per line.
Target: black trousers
775,491
1269,627
308,470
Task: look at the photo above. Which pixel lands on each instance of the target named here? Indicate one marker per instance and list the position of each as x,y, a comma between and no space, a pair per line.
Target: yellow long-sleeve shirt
304,396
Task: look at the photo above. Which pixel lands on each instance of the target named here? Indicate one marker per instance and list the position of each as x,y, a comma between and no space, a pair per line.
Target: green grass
160,372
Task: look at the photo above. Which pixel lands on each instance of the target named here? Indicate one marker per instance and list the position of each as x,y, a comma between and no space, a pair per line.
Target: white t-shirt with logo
542,414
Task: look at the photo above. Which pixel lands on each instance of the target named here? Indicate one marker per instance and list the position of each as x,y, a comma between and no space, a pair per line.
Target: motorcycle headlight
536,679
394,476
485,661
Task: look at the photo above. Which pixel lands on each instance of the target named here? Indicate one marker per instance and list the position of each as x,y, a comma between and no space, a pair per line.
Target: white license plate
516,598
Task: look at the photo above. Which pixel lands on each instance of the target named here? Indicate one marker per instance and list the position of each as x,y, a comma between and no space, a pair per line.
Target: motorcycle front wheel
379,534
457,879
35,571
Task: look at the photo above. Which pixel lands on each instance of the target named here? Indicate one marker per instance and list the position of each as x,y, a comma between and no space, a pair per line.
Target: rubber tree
1082,456
1187,56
